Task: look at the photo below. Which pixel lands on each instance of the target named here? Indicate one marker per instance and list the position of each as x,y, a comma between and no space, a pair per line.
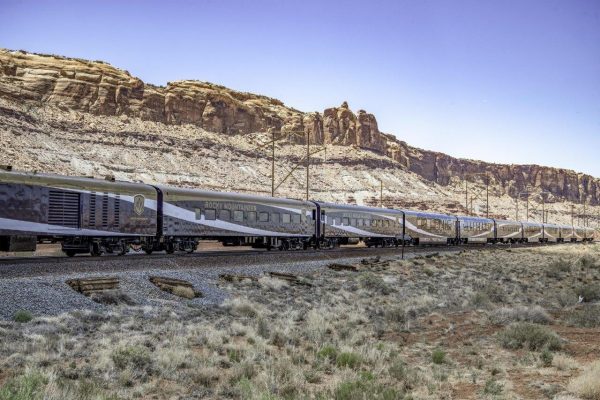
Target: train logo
139,204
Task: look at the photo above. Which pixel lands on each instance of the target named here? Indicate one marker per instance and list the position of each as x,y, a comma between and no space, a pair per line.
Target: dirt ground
498,324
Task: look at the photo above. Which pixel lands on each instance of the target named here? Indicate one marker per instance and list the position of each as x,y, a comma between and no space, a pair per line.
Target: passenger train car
95,216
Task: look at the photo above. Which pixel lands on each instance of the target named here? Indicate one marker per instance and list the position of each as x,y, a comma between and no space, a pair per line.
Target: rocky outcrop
99,88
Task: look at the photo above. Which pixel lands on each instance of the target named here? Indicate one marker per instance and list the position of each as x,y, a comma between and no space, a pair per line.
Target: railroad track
42,266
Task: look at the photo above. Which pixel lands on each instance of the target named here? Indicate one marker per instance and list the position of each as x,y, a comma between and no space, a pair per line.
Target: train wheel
148,250
70,253
123,249
95,250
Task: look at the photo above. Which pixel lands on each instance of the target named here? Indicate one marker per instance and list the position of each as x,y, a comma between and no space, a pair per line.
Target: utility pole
466,195
272,162
307,162
487,197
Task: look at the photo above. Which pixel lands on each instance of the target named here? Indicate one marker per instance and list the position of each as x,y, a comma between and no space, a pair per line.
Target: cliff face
100,89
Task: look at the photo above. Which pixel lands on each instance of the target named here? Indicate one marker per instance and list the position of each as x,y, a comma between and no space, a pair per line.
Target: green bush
492,387
374,282
590,292
398,370
328,352
530,336
481,300
348,360
546,358
438,356
133,357
587,317
365,389
557,268
23,316
26,387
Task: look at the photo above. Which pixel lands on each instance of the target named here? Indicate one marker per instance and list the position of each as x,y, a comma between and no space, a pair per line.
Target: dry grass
587,385
396,330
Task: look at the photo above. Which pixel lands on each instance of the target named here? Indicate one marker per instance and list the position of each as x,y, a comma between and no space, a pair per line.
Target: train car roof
350,207
75,181
231,196
470,218
510,221
427,214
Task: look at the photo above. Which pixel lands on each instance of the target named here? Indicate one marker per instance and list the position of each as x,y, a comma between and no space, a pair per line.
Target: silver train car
552,233
339,223
188,215
508,231
476,230
87,215
430,228
95,216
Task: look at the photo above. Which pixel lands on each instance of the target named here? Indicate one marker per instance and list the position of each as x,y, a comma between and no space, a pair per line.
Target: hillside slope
82,117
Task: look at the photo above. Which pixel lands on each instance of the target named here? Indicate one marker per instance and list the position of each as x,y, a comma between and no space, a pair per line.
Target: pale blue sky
501,81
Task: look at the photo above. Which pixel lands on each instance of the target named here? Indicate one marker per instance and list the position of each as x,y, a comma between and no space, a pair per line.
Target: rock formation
98,88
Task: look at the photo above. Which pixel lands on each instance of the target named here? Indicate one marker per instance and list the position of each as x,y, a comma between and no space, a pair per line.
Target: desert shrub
348,360
480,300
30,386
556,269
587,261
563,362
546,358
241,308
566,298
374,282
587,317
365,388
587,385
506,315
136,358
492,387
398,370
589,292
438,356
327,352
262,328
396,314
23,316
530,336
495,293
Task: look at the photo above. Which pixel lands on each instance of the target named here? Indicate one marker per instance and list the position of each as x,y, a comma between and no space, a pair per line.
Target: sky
512,81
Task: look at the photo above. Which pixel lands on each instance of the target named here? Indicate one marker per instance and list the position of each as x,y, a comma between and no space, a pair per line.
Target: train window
263,217
275,218
198,214
387,223
367,222
210,214
224,215
296,218
286,218
353,221
251,216
359,222
238,216
345,221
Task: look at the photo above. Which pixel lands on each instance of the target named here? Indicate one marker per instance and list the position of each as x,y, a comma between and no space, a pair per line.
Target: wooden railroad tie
237,278
177,287
88,286
342,267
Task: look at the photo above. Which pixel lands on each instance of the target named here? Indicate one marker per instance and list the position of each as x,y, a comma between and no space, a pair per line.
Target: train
95,216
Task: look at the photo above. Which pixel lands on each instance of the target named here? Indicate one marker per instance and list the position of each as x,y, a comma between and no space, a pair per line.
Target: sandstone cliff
100,89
